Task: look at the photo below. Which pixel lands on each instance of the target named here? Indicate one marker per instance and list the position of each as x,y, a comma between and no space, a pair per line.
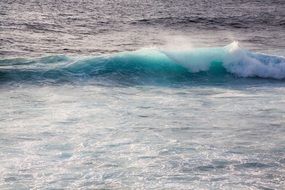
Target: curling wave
148,65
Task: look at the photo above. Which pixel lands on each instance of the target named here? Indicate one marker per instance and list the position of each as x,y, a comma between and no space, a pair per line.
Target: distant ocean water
142,94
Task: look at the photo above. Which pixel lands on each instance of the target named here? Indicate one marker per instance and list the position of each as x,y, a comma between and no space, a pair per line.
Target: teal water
148,66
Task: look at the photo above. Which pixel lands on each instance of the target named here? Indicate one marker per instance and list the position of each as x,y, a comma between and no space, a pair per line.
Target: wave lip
148,65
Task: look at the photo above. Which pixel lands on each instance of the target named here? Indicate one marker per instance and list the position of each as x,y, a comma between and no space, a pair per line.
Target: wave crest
148,65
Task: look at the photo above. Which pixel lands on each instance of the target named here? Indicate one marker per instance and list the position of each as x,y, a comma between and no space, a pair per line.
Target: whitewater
151,118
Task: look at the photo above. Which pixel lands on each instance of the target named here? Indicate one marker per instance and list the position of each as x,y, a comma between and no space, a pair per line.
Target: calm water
119,94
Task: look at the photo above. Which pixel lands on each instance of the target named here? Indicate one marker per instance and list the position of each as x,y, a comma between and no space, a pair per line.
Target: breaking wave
148,65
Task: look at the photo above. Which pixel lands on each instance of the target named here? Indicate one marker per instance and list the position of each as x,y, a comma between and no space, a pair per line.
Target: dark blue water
142,94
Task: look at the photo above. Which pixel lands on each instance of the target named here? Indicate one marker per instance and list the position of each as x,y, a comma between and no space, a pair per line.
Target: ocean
142,94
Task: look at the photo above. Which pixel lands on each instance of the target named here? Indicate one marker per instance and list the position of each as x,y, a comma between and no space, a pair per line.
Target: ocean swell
148,65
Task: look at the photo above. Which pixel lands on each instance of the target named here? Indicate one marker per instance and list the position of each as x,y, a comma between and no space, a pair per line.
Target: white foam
247,64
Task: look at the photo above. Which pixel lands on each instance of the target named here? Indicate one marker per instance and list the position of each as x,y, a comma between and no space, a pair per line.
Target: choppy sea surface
142,94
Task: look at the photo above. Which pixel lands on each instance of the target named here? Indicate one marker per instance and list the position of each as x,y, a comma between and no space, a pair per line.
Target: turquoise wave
148,65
